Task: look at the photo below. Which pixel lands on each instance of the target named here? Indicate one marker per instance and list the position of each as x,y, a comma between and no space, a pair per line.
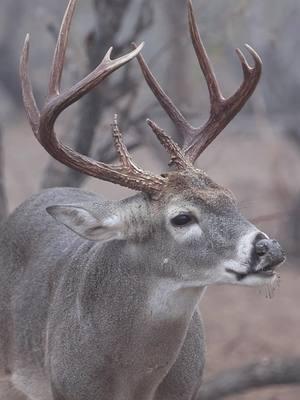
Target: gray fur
115,317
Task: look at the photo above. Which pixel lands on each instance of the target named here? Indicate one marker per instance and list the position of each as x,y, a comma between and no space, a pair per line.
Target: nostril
262,247
259,244
265,254
269,252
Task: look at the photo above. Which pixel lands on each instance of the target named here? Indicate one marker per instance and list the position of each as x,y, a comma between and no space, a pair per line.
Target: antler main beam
42,122
222,111
127,174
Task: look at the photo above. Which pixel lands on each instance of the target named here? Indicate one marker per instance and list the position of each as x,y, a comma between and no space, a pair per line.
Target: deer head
185,219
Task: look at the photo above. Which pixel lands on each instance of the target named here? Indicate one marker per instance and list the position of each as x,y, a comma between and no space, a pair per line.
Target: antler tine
222,111
251,75
205,64
31,108
60,50
167,104
126,174
177,156
124,156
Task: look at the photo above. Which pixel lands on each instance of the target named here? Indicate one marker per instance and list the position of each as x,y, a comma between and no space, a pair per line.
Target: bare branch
253,376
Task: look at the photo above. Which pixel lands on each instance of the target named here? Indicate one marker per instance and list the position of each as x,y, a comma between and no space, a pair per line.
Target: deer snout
268,254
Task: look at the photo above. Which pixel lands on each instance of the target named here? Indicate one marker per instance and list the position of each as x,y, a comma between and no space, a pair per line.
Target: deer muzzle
268,254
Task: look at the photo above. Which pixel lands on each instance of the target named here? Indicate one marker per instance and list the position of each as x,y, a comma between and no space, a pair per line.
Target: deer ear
85,224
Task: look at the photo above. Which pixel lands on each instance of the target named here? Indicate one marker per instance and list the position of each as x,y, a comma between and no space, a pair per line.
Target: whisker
269,289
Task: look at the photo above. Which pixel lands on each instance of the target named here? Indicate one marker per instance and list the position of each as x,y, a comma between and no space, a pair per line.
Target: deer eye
181,219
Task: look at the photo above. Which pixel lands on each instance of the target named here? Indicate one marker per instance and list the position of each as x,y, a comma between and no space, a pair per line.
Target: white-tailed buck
98,299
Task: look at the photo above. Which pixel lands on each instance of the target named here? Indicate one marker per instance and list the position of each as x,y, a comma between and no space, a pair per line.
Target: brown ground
241,324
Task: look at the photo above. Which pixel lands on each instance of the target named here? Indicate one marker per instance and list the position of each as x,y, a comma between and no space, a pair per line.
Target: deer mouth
266,255
265,272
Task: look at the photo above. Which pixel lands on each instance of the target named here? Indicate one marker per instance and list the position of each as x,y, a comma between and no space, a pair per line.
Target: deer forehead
195,186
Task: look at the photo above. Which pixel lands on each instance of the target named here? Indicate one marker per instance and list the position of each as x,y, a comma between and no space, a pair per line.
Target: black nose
268,252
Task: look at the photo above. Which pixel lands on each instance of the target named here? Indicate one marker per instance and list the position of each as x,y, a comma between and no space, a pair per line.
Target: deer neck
171,300
149,316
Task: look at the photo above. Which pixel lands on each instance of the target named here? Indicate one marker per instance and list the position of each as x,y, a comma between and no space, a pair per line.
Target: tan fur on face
196,185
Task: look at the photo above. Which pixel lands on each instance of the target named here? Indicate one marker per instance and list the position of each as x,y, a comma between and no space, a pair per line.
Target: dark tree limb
3,198
13,12
253,376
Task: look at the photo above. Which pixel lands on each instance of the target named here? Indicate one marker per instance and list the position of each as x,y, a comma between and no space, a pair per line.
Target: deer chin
266,277
247,274
258,278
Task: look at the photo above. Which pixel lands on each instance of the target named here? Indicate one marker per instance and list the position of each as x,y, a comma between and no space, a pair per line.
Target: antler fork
222,110
126,173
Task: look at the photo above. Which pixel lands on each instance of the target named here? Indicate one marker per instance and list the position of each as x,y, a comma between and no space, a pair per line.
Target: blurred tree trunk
3,199
13,12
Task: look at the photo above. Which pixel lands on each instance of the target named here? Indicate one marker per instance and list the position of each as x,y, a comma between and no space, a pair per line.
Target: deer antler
222,111
127,173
